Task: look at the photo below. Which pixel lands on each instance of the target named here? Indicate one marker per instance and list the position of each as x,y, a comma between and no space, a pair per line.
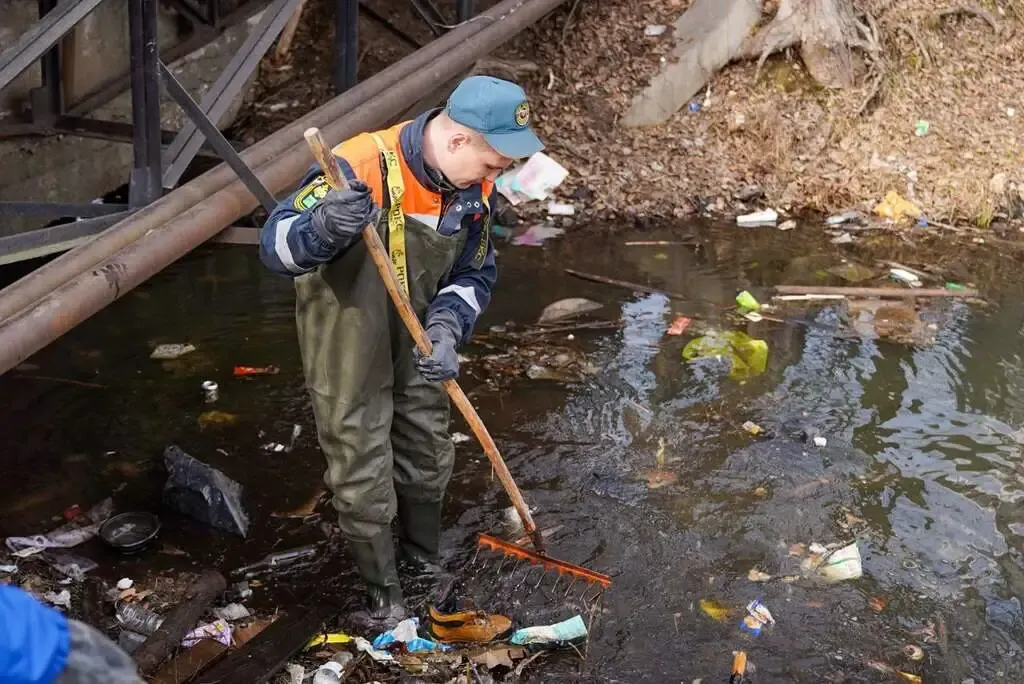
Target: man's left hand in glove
444,331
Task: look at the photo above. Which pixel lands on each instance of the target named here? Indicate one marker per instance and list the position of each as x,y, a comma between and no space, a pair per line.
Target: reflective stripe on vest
395,187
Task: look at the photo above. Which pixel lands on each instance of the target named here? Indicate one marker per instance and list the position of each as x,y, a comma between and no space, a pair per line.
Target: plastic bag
204,493
748,356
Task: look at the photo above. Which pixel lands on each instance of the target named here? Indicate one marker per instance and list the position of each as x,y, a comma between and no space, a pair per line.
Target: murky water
922,463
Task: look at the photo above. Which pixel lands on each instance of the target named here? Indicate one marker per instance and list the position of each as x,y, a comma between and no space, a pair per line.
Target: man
39,645
381,414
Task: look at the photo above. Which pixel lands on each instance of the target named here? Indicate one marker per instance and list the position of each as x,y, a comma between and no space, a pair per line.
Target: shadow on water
922,463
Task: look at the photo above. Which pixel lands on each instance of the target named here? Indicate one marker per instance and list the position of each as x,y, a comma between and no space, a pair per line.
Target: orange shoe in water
467,626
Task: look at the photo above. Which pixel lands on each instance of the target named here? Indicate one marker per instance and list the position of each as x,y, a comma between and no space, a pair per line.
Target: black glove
342,214
444,330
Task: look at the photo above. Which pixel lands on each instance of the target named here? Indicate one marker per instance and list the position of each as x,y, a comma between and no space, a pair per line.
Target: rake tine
543,574
570,587
475,556
501,562
515,569
523,581
558,578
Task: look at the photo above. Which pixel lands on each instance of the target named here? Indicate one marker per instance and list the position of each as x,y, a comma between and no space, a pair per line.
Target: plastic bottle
330,672
135,618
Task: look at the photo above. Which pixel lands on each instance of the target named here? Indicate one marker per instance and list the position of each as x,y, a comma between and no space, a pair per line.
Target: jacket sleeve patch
311,193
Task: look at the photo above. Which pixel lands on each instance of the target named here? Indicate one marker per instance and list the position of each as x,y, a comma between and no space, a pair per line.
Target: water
922,466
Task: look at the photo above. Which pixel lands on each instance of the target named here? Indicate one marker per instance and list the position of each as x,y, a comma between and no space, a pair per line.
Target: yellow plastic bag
895,207
747,355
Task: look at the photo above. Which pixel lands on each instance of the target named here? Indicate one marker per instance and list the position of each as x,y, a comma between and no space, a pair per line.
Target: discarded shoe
467,626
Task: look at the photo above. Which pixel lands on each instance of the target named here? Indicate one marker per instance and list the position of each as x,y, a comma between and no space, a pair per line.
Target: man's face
471,160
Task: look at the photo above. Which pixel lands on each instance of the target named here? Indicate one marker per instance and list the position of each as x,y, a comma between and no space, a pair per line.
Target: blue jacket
289,245
34,639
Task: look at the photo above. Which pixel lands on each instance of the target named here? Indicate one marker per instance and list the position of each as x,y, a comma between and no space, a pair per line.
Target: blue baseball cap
499,111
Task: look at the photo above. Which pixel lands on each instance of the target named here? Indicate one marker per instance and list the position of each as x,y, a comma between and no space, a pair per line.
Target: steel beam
36,243
144,186
217,139
42,37
429,14
389,25
464,10
224,91
47,101
54,210
115,131
346,44
194,16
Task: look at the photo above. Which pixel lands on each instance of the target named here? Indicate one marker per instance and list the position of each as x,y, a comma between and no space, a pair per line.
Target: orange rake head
534,559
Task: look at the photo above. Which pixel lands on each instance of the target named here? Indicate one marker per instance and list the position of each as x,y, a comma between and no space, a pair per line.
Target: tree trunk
823,30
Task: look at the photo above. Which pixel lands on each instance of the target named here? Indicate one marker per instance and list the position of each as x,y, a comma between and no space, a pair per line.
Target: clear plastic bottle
330,672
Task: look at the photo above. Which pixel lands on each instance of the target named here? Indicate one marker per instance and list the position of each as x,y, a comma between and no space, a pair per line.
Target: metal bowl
130,531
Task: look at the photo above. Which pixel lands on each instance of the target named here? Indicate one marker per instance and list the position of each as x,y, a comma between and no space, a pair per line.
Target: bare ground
807,147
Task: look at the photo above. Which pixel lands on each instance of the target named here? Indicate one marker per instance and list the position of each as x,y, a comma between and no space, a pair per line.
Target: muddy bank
941,128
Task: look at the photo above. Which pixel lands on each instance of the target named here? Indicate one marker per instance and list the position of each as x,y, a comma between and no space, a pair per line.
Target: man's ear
457,140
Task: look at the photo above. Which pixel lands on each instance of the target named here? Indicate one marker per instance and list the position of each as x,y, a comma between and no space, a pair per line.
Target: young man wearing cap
381,414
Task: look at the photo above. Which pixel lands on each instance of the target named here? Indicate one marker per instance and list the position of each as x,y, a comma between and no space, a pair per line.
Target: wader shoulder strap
394,186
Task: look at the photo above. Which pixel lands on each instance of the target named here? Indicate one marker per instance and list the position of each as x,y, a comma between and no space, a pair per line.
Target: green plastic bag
747,355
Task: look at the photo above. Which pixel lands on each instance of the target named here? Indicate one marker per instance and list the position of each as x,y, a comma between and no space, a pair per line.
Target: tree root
914,36
825,31
971,11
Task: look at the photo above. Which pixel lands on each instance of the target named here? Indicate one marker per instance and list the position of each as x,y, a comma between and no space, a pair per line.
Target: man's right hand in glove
341,215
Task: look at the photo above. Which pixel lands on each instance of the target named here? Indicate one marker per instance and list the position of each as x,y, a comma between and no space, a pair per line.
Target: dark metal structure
160,158
53,299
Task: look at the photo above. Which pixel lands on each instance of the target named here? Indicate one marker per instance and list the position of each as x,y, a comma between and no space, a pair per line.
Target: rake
538,557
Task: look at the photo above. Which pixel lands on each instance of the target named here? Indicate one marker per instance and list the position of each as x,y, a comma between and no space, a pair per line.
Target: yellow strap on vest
395,186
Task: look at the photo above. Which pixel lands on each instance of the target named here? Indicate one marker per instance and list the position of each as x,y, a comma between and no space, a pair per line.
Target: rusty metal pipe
43,280
33,328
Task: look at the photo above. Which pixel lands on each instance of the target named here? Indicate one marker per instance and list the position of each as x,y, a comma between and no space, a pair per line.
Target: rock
566,308
749,192
997,184
707,37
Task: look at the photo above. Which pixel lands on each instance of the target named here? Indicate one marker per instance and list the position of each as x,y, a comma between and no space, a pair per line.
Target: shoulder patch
311,193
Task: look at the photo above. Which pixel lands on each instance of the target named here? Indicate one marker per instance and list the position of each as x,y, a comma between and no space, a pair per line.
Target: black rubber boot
375,560
419,534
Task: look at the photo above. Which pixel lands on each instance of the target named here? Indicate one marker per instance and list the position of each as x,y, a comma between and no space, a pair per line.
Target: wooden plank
262,657
179,621
188,663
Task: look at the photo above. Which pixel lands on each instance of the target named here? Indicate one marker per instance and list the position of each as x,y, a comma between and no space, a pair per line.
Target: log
180,621
707,37
261,658
889,292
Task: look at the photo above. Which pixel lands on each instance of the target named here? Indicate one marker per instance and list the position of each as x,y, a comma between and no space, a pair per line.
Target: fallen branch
889,292
657,243
636,287
284,42
593,325
155,649
971,11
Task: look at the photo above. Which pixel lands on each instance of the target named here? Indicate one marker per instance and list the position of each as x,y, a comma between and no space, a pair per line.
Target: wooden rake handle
329,165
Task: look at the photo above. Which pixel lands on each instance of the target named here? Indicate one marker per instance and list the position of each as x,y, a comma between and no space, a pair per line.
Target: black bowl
130,531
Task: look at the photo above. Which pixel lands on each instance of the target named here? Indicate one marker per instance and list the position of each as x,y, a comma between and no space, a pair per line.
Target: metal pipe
34,328
43,280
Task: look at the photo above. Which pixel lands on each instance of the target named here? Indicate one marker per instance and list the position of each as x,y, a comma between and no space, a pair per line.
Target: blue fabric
34,639
289,246
498,109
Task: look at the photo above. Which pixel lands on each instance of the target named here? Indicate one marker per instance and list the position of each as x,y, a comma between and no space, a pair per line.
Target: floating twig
873,291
